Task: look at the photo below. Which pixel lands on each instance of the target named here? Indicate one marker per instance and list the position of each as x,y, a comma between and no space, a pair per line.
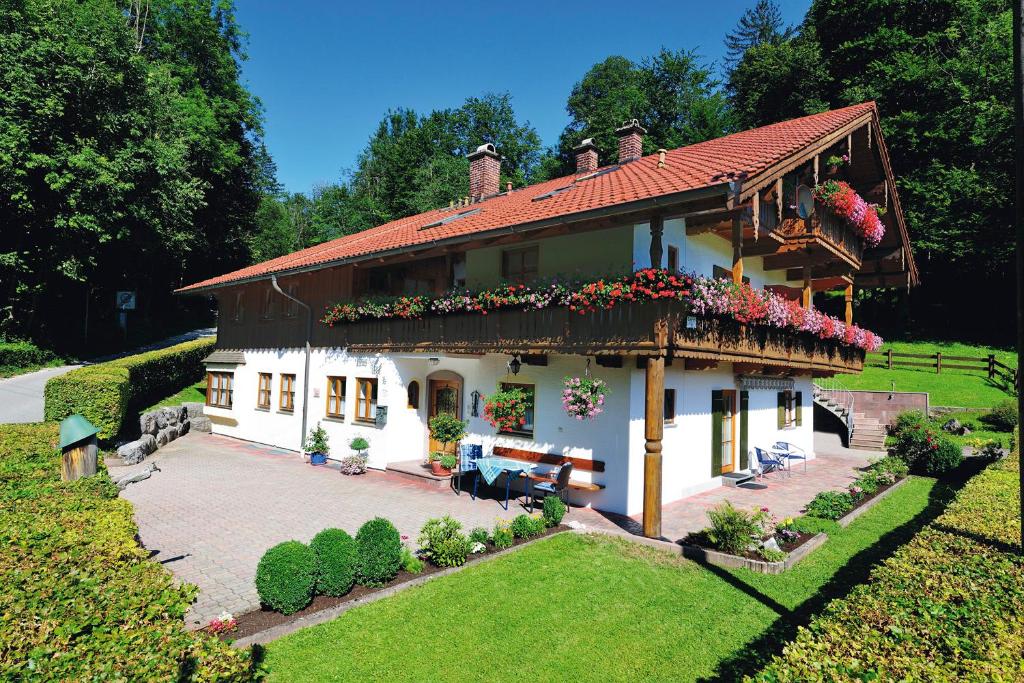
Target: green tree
941,74
760,25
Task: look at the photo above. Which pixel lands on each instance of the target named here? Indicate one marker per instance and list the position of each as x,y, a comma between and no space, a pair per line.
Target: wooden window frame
221,393
670,407
238,314
286,398
289,309
267,312
369,404
673,258
533,422
336,382
263,392
522,275
790,409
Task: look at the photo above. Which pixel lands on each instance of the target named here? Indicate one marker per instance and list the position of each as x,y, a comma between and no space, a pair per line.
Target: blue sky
328,71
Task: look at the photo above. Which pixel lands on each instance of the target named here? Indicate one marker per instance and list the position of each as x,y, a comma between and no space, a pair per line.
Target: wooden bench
578,464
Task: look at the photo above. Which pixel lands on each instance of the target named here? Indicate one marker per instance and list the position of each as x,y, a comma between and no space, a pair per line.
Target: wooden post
938,362
657,229
654,415
815,169
808,297
737,250
849,304
991,366
889,353
78,460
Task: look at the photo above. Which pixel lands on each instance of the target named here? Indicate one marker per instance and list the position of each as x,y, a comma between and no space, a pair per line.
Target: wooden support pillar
816,162
654,417
737,250
808,297
849,304
657,229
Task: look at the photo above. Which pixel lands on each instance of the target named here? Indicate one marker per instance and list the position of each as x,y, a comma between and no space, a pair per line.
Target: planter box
855,513
721,559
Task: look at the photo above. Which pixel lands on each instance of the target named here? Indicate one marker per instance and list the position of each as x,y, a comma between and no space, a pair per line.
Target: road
21,397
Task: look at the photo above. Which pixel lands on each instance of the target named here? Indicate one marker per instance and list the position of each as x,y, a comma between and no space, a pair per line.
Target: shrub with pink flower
844,201
222,624
583,397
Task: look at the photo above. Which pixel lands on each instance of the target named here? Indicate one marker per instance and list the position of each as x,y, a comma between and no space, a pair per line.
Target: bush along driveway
591,607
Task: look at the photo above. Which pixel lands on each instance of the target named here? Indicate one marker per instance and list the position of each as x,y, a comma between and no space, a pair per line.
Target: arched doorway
444,395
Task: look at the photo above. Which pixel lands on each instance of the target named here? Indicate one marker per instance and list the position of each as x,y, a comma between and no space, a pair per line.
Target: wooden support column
657,229
808,297
737,250
849,304
654,416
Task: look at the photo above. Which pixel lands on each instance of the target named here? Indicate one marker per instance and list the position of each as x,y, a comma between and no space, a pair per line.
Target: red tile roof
687,168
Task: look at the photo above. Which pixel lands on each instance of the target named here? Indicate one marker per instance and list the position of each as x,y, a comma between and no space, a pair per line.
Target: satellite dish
804,201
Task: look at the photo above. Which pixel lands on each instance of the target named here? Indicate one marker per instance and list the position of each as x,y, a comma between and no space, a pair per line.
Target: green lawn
193,393
593,608
963,388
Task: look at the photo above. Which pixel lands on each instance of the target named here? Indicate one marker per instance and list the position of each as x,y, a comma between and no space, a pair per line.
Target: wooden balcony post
849,304
808,297
657,229
737,250
654,414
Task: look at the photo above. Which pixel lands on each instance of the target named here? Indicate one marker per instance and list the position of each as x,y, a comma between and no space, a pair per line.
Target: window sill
334,418
364,421
521,435
286,411
263,409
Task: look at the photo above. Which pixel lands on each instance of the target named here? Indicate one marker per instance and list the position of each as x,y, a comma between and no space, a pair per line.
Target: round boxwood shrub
336,557
286,576
945,456
554,510
379,547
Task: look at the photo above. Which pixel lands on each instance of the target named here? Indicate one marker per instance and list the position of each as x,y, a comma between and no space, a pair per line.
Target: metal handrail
833,391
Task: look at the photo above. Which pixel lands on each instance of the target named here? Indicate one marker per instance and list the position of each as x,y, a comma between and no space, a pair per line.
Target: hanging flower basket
506,409
583,397
844,201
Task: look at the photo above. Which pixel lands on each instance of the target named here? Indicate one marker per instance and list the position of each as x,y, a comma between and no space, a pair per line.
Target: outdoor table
491,468
783,457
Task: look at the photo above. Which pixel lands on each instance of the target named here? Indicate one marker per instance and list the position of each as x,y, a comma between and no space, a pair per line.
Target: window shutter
799,408
782,410
716,433
744,405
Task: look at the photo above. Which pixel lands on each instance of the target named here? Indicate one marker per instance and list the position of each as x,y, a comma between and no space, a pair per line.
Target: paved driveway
21,396
217,504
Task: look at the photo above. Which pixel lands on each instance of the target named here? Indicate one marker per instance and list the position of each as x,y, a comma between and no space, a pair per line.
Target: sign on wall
125,301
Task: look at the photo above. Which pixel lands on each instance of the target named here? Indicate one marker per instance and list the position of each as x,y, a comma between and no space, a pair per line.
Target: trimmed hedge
23,354
946,606
79,600
286,576
380,552
107,393
336,553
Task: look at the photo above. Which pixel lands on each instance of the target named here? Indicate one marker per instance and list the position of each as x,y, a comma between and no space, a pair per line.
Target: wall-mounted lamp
514,365
434,361
475,406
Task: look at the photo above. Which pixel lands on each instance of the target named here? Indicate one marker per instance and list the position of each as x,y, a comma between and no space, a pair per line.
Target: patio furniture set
779,459
555,481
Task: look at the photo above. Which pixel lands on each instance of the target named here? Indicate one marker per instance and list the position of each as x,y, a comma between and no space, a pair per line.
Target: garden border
281,630
729,561
857,512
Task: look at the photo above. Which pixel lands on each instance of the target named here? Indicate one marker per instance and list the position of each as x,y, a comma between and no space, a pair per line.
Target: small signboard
381,418
125,301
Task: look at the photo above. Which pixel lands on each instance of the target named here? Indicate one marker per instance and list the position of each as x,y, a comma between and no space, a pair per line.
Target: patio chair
790,452
469,453
767,463
558,485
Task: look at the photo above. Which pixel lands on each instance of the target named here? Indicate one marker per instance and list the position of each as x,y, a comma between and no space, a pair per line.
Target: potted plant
583,397
835,162
318,446
447,429
506,409
356,463
359,446
448,462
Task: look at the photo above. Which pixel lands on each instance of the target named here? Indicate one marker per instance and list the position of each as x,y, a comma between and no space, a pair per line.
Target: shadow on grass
753,657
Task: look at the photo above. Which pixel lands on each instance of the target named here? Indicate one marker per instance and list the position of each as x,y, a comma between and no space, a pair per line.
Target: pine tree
759,25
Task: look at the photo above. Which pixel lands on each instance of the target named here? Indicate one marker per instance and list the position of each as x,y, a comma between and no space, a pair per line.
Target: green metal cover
75,428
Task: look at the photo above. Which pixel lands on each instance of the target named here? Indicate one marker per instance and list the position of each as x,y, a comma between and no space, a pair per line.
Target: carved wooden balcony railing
638,329
828,229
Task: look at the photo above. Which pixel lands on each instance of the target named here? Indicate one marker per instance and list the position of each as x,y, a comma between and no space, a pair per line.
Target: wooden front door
444,398
728,430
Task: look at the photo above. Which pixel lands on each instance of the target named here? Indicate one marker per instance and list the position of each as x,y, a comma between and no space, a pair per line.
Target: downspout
305,375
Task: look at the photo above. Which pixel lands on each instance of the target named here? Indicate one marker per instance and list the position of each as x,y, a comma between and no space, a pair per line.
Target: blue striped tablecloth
491,468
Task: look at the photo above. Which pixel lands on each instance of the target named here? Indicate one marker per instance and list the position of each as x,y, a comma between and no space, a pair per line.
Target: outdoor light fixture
475,409
434,361
514,365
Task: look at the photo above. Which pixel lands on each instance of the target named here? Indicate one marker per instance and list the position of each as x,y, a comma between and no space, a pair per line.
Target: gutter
616,209
305,376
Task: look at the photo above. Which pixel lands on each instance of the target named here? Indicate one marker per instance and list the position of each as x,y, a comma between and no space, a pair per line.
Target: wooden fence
987,364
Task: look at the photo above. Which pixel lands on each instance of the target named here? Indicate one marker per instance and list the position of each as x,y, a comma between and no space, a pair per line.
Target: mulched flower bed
863,500
699,539
262,619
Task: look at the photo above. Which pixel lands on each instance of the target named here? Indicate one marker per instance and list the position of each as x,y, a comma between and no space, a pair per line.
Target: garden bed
264,625
696,547
867,502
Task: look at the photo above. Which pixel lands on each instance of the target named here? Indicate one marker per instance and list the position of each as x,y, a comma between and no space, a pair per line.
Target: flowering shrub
844,201
702,295
506,409
584,396
222,624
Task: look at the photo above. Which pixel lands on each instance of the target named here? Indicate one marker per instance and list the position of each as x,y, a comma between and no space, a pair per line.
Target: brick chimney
484,172
631,141
586,156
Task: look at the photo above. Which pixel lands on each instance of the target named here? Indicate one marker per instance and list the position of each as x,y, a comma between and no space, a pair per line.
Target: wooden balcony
821,239
638,329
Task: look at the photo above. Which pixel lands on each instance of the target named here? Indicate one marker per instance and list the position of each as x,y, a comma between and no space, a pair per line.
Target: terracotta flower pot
437,470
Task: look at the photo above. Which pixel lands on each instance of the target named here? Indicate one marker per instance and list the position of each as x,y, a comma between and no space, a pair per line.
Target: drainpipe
305,375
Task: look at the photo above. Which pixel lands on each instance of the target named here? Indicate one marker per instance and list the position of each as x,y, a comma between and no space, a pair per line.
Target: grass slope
194,393
963,388
594,608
